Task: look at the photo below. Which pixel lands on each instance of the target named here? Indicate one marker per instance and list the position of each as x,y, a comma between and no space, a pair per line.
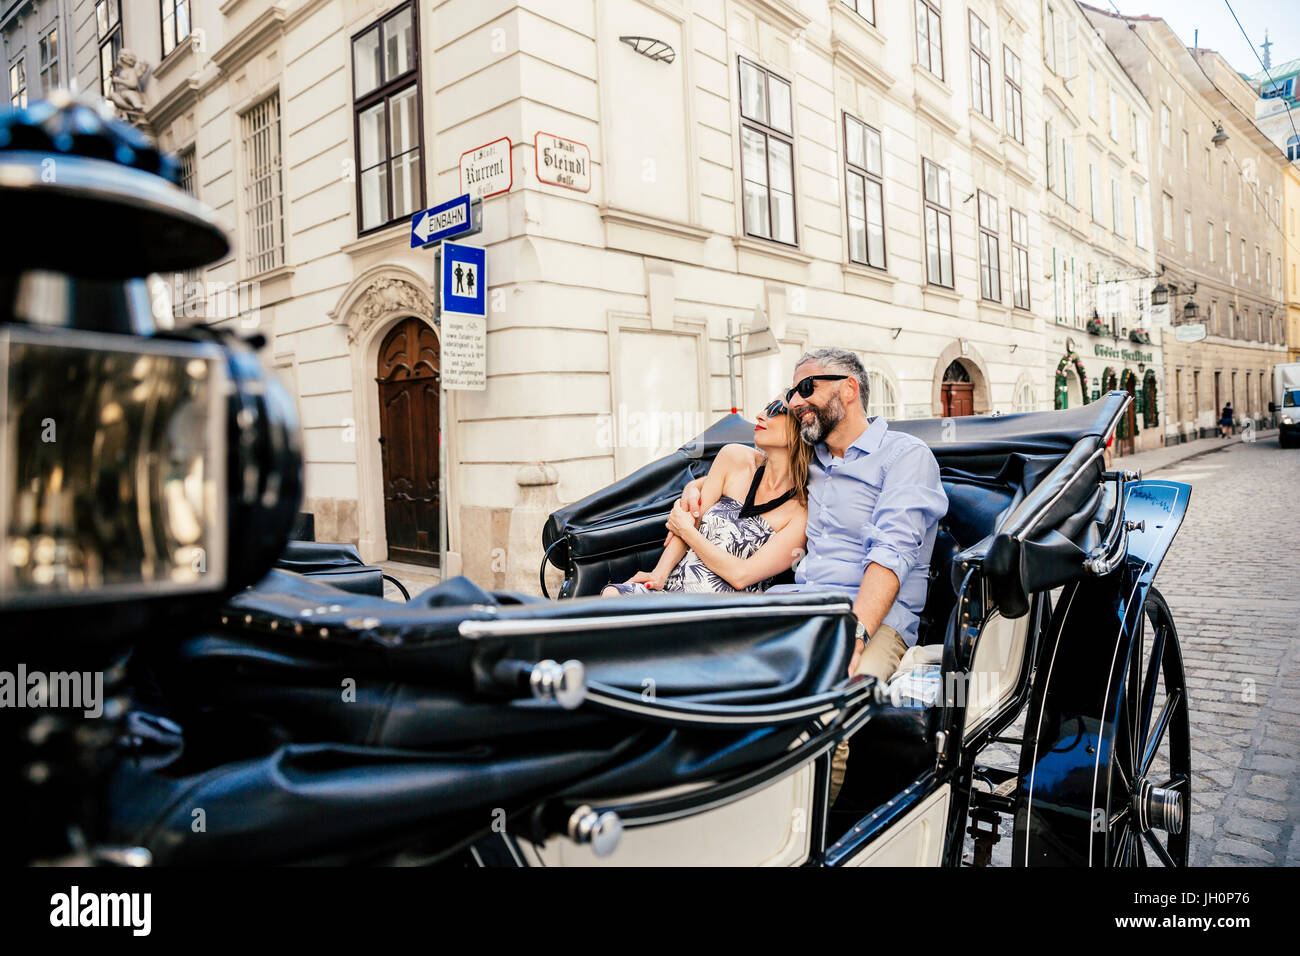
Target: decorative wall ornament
657,50
129,79
386,298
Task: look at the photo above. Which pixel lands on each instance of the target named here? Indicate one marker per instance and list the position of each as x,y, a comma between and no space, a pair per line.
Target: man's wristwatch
861,633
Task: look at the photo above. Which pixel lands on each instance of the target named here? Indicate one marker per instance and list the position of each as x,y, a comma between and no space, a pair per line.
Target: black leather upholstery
340,565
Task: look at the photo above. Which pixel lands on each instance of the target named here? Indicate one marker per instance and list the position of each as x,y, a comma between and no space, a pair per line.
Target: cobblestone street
1230,579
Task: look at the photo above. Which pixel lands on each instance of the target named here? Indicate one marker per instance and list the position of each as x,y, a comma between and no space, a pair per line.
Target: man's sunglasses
807,385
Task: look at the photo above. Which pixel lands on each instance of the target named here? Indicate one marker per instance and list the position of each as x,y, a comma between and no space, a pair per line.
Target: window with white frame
1187,230
18,82
190,300
1139,223
1049,37
1167,216
766,154
1114,116
864,183
108,33
1186,152
938,224
263,187
1243,257
990,250
981,67
1257,263
866,9
1024,399
1049,138
1116,208
1067,162
1015,109
49,56
1094,189
929,36
1139,137
1209,239
1019,260
882,400
175,23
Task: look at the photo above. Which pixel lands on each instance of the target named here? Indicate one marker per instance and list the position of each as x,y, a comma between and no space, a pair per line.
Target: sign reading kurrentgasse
562,162
487,170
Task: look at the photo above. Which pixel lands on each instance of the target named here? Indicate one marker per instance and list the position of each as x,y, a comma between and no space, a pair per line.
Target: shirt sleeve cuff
890,557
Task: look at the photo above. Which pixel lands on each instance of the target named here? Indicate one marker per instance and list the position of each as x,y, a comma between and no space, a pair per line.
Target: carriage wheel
1145,793
1106,766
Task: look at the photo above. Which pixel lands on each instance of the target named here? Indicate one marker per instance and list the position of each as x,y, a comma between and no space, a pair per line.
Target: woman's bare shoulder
737,455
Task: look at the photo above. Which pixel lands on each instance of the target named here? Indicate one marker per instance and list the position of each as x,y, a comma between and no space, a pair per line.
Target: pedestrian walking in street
1226,421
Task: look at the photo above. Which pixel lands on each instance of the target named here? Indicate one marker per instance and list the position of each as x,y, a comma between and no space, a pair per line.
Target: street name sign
487,170
562,162
451,218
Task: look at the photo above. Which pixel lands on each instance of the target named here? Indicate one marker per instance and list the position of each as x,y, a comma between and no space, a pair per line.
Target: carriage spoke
1149,688
1162,724
1160,851
1122,847
1140,854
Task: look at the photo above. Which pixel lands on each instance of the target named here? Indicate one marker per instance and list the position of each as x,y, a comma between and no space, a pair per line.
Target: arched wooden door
957,391
409,375
1127,431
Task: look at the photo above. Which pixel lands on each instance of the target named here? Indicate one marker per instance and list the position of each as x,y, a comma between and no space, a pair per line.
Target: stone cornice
242,46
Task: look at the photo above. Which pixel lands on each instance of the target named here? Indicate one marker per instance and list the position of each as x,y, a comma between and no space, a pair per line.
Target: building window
386,114
1114,116
1293,148
263,187
18,82
1257,263
883,400
1116,208
981,67
49,51
1186,153
1139,223
1094,190
1167,214
1049,138
1015,109
929,36
1139,137
189,301
1024,400
990,251
1187,230
866,9
1207,164
1209,239
1166,126
108,32
175,23
1268,269
766,154
864,180
1067,164
1092,93
1243,257
1019,260
938,225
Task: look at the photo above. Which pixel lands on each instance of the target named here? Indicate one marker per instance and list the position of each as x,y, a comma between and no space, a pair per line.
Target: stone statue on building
130,76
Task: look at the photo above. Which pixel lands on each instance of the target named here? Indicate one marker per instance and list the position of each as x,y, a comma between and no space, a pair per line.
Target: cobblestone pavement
1231,581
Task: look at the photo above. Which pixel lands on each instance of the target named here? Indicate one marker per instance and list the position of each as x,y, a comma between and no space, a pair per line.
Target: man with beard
874,504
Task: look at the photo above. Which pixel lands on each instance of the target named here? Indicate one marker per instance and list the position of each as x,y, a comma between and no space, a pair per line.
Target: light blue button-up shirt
880,503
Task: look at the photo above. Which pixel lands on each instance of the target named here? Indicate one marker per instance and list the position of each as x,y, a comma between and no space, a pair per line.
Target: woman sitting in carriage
745,537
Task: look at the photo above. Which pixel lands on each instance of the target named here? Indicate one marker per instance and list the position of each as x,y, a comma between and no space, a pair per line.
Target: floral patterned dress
738,528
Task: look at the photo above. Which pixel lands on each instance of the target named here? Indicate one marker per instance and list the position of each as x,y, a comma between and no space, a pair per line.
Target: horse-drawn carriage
471,727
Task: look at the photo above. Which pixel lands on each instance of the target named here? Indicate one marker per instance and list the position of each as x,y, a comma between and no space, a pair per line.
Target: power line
1261,63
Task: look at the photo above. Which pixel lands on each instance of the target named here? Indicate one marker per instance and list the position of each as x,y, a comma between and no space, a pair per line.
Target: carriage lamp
1160,295
1190,311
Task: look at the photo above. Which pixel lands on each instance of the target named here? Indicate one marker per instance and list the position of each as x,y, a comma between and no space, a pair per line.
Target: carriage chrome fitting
600,831
1158,808
564,684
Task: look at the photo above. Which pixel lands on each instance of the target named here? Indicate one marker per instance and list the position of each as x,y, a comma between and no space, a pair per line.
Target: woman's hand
680,521
652,581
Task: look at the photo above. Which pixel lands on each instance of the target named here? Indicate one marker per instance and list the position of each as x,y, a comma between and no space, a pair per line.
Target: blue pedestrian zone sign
464,276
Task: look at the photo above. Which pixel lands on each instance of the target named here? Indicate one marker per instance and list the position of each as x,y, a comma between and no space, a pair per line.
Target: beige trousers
880,660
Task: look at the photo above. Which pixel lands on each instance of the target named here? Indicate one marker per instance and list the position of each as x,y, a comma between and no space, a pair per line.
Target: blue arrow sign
443,221
464,279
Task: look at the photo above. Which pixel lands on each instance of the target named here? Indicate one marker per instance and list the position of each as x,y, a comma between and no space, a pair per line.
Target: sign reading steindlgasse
562,162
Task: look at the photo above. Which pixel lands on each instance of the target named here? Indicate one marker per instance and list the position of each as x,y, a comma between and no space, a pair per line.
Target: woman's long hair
800,453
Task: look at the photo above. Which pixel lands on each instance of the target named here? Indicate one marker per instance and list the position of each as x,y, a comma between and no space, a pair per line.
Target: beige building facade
842,173
1219,226
1097,227
1291,213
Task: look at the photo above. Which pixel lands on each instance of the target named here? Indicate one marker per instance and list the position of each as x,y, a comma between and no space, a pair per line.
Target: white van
1286,403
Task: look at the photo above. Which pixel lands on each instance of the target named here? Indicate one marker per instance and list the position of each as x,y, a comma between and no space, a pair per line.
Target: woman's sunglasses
807,385
777,407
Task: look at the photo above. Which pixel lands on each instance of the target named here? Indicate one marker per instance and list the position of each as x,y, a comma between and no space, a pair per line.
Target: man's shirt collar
865,443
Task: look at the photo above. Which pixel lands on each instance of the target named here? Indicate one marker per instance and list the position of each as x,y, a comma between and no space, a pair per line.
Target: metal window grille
263,187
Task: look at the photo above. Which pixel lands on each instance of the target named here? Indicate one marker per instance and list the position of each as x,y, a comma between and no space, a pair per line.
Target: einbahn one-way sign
451,218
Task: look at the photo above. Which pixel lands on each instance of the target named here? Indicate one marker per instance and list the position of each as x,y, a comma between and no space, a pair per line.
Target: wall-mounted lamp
1220,137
